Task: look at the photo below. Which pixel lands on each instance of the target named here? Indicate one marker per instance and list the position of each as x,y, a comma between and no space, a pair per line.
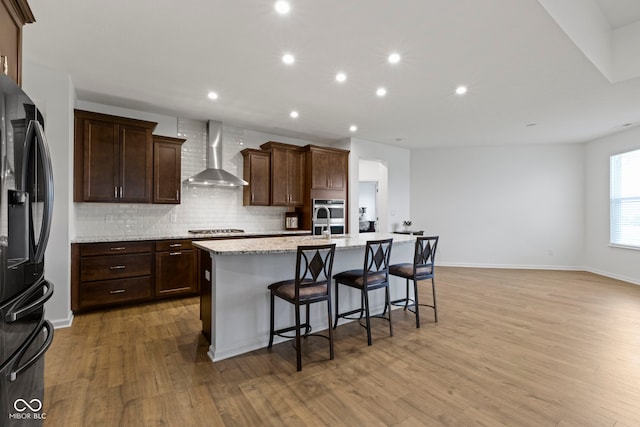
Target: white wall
599,256
397,161
507,206
54,95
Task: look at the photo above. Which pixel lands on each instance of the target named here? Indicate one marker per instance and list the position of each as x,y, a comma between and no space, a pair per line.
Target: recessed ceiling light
282,7
294,114
394,58
353,128
381,92
461,90
341,77
212,95
288,59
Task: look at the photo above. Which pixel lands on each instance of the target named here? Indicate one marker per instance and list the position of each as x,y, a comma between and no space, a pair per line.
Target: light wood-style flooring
511,347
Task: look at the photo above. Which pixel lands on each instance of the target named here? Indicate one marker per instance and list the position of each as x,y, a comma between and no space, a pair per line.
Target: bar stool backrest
376,260
313,266
424,257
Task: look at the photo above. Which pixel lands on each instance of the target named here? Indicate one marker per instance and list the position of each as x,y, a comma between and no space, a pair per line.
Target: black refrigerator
26,204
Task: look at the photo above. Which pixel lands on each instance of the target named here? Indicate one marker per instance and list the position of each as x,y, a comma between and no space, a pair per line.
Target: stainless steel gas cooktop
217,231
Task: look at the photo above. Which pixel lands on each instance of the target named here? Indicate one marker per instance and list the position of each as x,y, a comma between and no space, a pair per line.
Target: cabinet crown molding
21,10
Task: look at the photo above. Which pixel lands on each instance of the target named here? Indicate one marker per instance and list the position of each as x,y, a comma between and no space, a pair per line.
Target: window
625,199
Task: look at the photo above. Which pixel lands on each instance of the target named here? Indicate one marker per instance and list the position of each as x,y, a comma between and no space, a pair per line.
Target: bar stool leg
331,353
272,322
335,324
388,304
298,344
406,301
417,305
433,287
365,295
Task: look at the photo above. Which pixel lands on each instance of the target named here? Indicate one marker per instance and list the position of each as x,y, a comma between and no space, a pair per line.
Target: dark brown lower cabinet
111,274
175,268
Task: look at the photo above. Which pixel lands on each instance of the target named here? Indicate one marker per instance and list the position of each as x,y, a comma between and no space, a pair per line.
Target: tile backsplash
201,207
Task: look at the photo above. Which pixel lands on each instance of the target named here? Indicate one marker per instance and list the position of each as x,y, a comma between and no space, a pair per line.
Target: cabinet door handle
175,245
177,194
117,267
121,192
119,248
253,197
175,253
117,291
115,192
5,64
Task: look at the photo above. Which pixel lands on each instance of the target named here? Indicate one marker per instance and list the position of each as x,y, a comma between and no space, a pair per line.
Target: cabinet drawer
111,292
113,248
173,245
114,267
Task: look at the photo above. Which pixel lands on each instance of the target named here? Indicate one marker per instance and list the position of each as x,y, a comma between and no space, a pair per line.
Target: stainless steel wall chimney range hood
214,175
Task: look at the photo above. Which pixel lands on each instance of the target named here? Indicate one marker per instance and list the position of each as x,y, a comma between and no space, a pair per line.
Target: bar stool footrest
349,313
403,302
281,332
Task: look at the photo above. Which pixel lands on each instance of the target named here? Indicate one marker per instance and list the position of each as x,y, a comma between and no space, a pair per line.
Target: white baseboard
545,267
612,275
62,323
513,266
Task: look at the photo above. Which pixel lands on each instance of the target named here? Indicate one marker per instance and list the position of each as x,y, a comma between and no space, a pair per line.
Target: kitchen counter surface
291,243
187,235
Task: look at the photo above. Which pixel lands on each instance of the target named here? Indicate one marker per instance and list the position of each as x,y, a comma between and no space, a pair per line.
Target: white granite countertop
187,235
290,244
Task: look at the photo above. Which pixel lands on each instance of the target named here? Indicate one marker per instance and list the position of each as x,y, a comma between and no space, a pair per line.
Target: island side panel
240,298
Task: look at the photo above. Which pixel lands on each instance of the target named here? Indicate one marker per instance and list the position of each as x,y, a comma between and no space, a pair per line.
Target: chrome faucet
325,230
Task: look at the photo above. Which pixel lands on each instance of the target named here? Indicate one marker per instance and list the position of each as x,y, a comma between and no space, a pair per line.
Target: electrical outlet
173,218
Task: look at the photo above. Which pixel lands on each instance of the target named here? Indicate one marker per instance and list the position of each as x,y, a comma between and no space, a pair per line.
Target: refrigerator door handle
35,130
17,370
19,308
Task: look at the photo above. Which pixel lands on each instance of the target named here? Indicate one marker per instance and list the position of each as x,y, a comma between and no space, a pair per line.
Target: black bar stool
312,284
374,275
423,268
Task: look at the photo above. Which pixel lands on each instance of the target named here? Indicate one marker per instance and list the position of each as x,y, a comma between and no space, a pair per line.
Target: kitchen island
235,274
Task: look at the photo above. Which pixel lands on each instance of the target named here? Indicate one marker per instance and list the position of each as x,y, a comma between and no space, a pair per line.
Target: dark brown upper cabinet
328,167
257,172
113,159
167,159
287,173
14,14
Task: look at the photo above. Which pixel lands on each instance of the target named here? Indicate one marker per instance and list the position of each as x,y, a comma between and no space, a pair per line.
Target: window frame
614,201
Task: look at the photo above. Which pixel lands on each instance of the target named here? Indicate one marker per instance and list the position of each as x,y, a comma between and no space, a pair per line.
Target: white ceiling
620,12
164,56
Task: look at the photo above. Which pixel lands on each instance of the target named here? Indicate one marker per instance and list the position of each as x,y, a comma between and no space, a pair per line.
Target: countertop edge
192,236
289,245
